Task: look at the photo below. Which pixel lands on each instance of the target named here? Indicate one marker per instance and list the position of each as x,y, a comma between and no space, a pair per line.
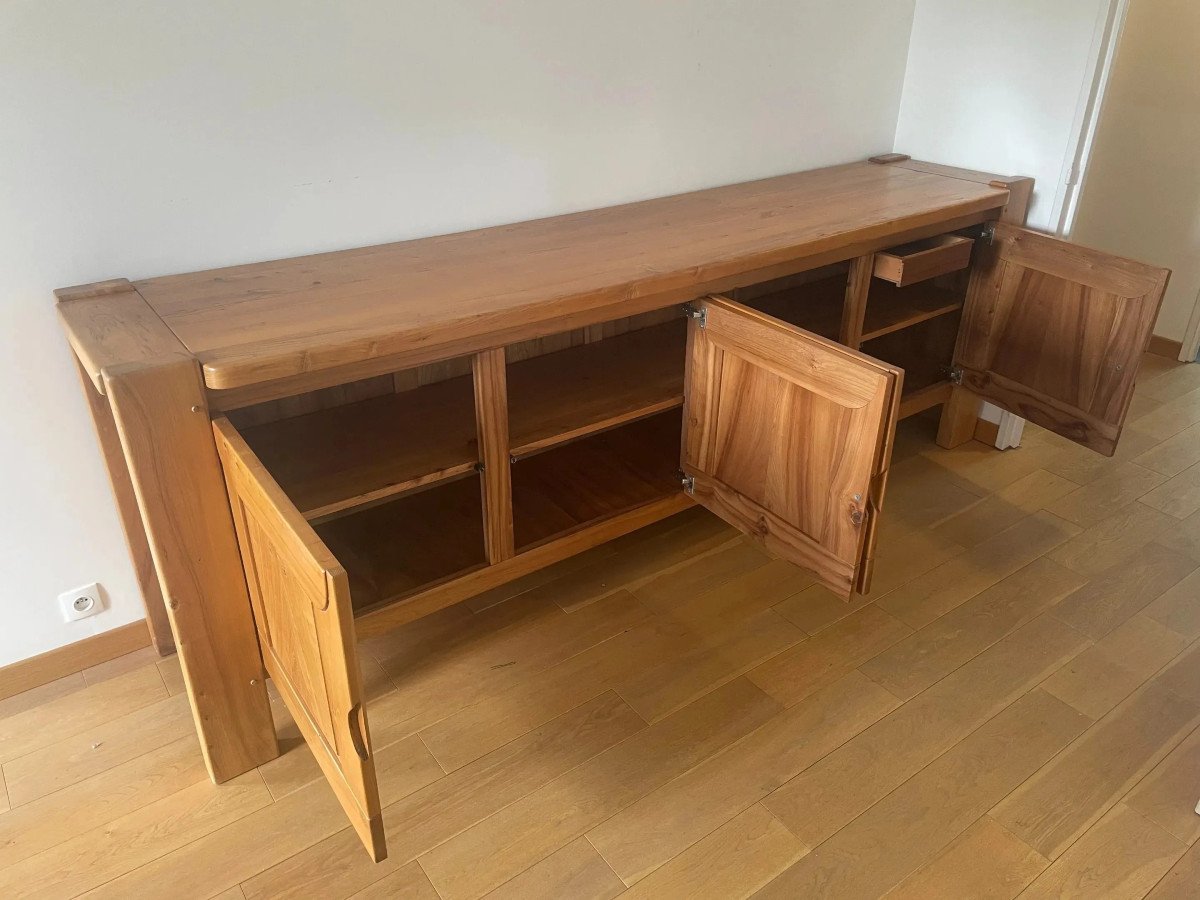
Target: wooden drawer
922,260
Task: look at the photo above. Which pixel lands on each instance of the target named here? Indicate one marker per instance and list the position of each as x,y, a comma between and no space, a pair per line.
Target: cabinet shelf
569,394
581,483
890,308
410,543
334,460
923,398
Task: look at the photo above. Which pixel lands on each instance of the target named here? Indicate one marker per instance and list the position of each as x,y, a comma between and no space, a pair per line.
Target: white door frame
1110,20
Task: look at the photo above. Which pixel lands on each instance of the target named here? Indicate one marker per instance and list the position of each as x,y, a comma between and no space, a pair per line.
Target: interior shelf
891,308
332,461
580,483
924,351
913,402
406,544
815,306
572,393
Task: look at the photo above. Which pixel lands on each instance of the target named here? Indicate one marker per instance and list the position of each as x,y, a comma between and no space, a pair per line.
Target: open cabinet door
1055,333
301,599
787,436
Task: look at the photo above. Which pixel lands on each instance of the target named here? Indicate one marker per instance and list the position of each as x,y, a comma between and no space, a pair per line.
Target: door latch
689,484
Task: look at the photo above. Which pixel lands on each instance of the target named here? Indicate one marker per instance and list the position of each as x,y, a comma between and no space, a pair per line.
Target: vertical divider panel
858,287
491,422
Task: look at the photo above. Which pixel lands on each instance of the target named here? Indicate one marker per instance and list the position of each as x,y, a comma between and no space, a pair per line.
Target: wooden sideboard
307,451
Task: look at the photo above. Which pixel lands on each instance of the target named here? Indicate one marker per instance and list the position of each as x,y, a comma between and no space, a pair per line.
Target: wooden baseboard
987,432
1161,346
55,664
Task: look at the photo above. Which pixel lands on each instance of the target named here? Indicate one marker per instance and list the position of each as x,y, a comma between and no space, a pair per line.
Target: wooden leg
161,417
131,518
491,417
959,415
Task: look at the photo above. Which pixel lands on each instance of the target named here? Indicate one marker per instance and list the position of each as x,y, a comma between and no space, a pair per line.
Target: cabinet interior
811,300
388,470
583,482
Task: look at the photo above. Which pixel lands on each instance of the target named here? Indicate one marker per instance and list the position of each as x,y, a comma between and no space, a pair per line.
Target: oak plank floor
1015,711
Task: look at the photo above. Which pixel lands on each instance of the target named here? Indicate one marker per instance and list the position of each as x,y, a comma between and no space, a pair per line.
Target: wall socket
81,602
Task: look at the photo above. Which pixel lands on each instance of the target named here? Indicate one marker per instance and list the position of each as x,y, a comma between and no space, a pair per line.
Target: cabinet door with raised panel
787,436
1055,332
301,599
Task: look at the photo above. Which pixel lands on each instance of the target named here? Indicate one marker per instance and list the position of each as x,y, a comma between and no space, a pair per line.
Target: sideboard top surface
255,323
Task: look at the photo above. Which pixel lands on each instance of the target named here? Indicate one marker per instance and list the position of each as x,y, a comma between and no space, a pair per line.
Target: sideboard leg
161,416
960,414
131,518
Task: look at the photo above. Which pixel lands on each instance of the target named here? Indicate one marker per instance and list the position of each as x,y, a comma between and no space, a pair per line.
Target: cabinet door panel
301,599
1054,332
787,436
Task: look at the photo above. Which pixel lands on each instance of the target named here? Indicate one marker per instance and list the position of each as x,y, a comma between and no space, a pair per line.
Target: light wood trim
63,661
162,420
854,313
491,421
111,325
383,619
93,290
1161,346
131,518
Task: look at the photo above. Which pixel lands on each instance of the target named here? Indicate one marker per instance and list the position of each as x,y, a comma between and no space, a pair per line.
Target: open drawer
922,260
301,599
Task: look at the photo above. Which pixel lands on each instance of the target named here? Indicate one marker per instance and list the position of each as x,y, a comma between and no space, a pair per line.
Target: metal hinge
689,484
700,315
988,235
956,375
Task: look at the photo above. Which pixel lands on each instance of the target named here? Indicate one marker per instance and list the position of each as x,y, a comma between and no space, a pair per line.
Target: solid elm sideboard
308,451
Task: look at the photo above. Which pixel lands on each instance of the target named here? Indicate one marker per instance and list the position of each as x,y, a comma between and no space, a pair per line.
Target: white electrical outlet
80,603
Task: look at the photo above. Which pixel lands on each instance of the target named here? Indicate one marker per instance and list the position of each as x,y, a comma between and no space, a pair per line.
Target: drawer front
923,260
301,600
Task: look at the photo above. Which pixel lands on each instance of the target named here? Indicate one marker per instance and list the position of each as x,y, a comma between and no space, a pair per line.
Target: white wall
1141,193
997,86
142,138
